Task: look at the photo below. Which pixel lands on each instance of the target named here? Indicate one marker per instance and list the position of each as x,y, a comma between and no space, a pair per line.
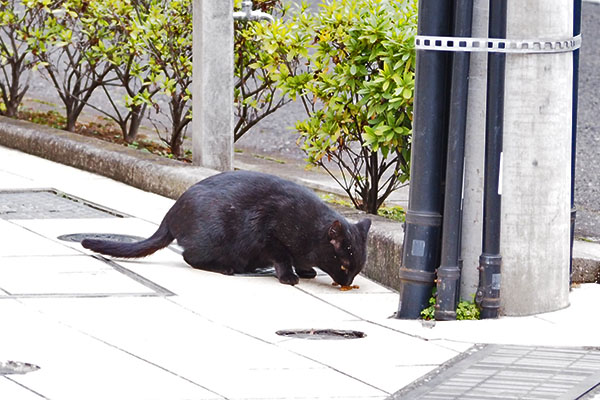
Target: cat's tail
161,238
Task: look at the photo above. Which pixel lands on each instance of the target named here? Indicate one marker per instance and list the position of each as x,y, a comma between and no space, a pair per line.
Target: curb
171,178
142,170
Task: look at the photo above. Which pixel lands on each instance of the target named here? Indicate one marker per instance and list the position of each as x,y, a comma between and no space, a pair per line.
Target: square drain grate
511,372
47,204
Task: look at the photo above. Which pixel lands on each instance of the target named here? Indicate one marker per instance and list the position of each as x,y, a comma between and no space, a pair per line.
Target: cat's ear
363,226
336,234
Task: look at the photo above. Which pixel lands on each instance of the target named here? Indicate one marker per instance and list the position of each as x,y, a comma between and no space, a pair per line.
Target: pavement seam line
26,388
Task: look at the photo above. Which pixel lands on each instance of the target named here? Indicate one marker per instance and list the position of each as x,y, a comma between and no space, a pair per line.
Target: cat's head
349,245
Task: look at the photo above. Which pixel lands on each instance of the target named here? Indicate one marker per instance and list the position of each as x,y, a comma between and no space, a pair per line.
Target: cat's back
250,191
237,214
250,183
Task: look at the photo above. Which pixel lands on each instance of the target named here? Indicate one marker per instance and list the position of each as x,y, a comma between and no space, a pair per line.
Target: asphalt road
274,136
587,178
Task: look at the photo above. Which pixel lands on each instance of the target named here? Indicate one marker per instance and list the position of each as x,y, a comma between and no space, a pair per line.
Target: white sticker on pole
500,175
418,248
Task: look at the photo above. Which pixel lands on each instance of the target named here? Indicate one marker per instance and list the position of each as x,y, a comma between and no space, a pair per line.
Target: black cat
235,222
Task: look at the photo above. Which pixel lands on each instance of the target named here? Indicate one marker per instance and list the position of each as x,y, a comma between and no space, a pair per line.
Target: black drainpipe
448,274
423,218
488,292
576,31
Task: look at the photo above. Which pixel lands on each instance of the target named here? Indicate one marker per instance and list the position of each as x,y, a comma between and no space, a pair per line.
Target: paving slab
74,276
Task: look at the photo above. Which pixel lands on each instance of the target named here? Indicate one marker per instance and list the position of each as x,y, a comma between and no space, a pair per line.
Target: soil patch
101,129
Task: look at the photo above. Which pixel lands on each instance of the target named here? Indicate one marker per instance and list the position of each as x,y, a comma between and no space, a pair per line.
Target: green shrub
165,33
122,44
357,89
122,50
65,47
255,93
15,54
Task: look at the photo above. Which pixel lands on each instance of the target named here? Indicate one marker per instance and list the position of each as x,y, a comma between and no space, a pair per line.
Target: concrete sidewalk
158,329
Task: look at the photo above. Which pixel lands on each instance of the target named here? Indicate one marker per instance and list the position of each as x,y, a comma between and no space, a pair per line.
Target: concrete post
536,162
474,158
212,87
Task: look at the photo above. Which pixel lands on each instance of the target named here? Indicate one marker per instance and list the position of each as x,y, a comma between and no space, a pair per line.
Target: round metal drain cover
16,367
78,237
324,334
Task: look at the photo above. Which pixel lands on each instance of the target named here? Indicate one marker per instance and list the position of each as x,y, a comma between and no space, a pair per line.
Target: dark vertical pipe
488,292
576,31
448,274
423,217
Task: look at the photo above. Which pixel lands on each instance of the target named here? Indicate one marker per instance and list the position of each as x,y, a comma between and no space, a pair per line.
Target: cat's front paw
289,279
227,271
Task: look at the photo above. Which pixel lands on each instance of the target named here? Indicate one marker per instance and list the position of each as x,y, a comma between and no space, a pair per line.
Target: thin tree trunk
137,114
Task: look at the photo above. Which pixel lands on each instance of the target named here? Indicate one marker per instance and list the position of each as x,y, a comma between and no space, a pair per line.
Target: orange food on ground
345,288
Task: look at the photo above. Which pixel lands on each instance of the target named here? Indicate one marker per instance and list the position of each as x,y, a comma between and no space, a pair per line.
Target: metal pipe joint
488,292
248,14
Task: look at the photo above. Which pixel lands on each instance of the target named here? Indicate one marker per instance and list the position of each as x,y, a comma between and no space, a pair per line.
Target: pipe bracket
492,45
423,218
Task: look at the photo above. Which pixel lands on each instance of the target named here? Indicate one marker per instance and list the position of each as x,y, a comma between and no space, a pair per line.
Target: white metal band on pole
449,43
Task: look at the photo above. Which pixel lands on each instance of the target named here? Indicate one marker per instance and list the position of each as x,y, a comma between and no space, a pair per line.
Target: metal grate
511,372
317,334
16,367
47,204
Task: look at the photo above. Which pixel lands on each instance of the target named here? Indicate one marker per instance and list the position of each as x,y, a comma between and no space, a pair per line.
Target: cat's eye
344,268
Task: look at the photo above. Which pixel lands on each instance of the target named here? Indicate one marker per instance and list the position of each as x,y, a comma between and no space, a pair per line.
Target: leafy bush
166,30
122,51
165,33
357,89
255,93
66,48
15,54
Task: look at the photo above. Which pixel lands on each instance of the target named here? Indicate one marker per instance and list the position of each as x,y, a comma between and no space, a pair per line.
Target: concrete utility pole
537,162
212,87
